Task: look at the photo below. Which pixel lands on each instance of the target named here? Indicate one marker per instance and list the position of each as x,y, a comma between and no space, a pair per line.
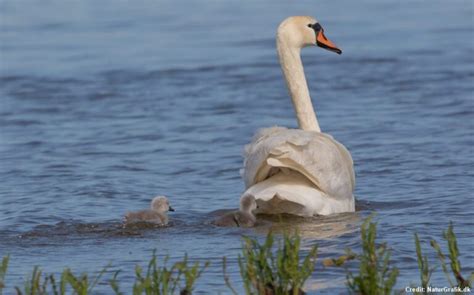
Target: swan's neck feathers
290,60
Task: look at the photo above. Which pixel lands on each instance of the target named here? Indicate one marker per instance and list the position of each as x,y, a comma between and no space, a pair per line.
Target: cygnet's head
302,31
248,203
161,204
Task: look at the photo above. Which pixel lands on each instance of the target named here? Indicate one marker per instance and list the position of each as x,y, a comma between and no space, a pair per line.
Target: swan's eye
310,25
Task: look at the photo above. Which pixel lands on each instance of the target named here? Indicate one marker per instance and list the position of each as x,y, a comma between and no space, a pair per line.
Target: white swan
299,171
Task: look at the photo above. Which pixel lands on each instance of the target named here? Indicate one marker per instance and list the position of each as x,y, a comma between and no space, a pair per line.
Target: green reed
272,267
376,274
39,284
453,256
164,280
3,272
266,270
423,266
190,273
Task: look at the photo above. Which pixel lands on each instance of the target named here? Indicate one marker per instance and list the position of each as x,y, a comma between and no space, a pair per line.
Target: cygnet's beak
323,42
171,209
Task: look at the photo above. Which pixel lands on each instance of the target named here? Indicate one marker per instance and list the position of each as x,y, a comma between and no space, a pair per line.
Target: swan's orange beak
324,42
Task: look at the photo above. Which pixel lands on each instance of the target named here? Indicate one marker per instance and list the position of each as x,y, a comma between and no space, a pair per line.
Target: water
105,106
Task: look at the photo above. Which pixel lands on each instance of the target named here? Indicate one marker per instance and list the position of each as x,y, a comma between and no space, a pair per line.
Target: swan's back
317,156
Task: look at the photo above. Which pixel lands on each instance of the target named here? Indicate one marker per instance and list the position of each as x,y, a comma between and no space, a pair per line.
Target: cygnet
157,214
242,218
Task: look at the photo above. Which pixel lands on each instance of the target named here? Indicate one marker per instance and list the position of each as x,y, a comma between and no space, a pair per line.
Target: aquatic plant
368,234
265,271
164,280
191,274
157,280
3,272
81,284
453,256
62,284
114,283
226,276
38,284
376,275
33,285
341,260
273,267
423,267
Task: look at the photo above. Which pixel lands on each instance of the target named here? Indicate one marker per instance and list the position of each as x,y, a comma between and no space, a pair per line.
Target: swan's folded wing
320,158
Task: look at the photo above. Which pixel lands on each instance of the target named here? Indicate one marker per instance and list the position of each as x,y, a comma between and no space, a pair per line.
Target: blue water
103,106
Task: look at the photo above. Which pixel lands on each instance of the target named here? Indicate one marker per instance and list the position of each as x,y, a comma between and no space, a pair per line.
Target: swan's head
302,31
161,204
248,203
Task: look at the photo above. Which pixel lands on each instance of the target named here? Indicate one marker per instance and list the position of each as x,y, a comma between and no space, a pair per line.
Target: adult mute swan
299,171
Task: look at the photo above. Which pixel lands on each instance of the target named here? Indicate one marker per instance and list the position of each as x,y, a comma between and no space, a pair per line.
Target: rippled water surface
103,106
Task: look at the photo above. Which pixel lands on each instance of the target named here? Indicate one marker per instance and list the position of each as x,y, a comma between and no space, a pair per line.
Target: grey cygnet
242,218
157,214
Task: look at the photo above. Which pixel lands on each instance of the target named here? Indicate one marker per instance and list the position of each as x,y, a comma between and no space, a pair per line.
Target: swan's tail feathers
321,161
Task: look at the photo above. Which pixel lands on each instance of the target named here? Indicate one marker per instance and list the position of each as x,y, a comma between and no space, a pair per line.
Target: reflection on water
104,106
317,227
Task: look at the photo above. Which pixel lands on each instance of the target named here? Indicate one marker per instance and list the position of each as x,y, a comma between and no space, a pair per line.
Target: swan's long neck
290,60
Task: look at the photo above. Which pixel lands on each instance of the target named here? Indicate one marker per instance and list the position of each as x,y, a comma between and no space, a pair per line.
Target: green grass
275,269
3,272
274,266
39,284
423,266
190,273
180,277
164,280
156,280
455,264
376,274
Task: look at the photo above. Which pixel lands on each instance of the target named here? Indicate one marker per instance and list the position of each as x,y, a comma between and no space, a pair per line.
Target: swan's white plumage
299,171
307,168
